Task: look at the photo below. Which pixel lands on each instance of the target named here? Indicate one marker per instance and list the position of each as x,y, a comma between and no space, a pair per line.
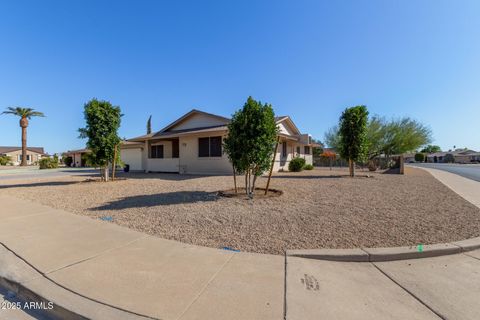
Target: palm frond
23,112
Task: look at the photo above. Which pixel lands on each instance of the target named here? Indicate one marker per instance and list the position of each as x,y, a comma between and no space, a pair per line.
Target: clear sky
309,59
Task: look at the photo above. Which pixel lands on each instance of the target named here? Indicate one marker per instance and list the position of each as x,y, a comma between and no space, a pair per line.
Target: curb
387,254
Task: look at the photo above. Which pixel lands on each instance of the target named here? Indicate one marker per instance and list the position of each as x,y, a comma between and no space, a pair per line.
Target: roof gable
39,150
195,119
286,126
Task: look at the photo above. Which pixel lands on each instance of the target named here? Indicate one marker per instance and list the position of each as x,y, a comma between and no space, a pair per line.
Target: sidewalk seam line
96,255
72,291
205,287
465,253
409,292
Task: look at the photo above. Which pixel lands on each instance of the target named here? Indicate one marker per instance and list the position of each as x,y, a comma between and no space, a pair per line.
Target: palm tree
24,114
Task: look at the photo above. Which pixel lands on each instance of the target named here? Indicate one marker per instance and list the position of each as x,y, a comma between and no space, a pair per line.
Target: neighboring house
460,156
78,157
34,154
193,144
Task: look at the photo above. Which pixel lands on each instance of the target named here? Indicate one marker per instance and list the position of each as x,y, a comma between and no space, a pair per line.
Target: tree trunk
351,165
246,182
235,179
105,173
24,144
114,164
271,167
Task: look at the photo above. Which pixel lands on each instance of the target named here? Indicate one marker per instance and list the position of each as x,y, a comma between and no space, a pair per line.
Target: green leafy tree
431,149
317,151
353,135
102,124
419,157
25,114
252,135
332,138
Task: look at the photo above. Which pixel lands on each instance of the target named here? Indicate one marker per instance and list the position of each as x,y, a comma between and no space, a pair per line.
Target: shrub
308,167
296,165
419,157
449,158
68,161
48,163
372,166
4,160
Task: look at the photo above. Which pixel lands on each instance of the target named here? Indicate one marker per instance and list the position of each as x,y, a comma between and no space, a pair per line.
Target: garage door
133,157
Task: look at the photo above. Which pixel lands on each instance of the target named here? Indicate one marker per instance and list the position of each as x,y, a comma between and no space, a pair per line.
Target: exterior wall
198,121
190,162
32,157
163,165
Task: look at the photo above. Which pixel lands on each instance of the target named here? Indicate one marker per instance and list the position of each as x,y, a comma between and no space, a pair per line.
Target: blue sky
309,59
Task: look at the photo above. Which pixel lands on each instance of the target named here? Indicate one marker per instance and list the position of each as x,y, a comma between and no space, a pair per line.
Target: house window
307,150
156,151
298,149
284,149
210,147
28,157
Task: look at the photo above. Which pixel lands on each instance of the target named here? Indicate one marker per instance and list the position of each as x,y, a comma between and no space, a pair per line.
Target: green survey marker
420,247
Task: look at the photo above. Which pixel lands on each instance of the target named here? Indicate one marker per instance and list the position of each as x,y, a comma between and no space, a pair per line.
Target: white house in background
193,144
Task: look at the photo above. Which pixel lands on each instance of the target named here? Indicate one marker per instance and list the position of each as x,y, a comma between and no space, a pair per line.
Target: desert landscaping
321,208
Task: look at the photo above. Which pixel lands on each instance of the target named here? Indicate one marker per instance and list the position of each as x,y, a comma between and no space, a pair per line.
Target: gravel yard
318,209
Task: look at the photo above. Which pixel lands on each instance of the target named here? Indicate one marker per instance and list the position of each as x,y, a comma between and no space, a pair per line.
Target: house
78,157
457,156
193,144
34,154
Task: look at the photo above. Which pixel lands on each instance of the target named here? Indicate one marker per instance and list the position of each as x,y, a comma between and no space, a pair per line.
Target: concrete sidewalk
131,271
467,188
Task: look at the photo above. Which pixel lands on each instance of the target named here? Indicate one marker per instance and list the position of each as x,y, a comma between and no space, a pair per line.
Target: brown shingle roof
4,149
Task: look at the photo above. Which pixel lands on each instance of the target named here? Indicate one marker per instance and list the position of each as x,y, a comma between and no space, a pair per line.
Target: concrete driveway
470,171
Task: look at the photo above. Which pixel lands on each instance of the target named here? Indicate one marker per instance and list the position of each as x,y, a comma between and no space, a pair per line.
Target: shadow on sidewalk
160,199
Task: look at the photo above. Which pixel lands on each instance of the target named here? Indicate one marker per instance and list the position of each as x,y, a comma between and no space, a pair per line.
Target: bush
419,157
449,158
68,161
372,166
48,163
308,167
296,165
4,160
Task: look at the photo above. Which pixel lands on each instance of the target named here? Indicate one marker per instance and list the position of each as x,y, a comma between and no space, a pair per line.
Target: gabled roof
189,114
167,130
288,120
12,149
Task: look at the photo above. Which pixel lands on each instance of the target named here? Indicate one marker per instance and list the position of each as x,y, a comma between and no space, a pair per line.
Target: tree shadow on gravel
38,184
160,199
309,177
160,176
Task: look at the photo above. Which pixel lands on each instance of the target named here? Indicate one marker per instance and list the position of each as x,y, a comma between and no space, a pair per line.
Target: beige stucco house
193,144
78,157
34,154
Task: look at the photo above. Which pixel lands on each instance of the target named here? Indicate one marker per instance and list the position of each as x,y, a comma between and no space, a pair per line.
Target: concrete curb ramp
387,254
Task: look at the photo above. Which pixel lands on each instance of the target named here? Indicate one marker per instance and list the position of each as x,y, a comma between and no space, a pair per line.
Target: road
34,172
470,171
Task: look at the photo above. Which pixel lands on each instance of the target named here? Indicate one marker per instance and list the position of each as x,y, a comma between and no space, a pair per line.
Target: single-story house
459,156
193,144
34,154
78,157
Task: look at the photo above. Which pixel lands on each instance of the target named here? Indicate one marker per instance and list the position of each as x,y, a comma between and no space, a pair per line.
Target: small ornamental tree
102,124
252,135
330,155
419,157
353,135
